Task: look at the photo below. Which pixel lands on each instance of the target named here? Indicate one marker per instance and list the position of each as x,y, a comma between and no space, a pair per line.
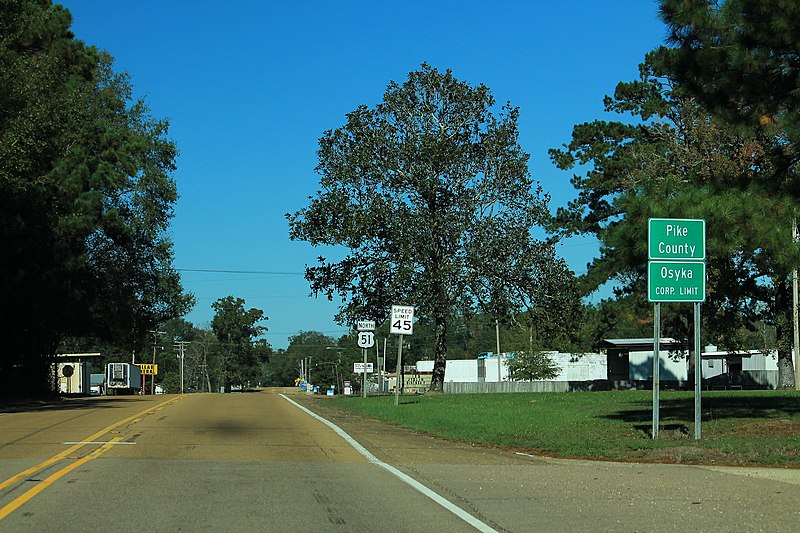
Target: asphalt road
258,462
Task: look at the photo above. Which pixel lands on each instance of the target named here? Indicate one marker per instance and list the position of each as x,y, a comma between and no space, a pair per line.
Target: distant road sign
678,239
358,368
402,322
366,339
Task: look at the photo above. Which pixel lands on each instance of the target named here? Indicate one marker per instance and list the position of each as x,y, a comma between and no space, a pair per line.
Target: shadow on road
66,404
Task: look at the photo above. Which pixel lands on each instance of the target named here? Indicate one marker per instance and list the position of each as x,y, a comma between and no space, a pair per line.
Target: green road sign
676,281
678,239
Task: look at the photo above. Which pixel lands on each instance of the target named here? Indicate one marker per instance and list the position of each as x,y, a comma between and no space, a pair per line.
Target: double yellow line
20,500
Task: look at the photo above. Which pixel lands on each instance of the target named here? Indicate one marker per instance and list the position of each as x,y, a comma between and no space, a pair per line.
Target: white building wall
574,367
579,367
641,366
424,366
760,361
714,367
461,370
491,368
715,364
78,383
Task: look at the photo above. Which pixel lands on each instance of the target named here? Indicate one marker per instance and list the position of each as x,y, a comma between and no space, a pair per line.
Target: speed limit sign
402,321
366,339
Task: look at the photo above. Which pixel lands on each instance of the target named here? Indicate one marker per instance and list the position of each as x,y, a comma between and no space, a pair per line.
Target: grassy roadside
739,428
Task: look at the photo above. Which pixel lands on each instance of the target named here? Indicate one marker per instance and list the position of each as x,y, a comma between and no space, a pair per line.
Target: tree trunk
783,332
440,357
27,368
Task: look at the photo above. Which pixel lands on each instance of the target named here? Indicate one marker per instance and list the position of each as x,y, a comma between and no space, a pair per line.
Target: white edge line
456,510
98,442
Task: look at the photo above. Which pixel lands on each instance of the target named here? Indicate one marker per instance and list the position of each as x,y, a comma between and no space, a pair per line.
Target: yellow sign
148,369
417,383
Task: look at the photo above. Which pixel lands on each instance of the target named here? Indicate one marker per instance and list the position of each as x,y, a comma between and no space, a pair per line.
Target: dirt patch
684,455
769,428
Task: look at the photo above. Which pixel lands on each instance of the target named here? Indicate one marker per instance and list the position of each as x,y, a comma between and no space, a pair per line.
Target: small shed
631,360
73,372
742,369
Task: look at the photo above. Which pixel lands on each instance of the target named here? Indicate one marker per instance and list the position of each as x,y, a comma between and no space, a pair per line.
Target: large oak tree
429,192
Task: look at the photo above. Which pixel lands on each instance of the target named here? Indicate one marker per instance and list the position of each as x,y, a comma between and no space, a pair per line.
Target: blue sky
250,86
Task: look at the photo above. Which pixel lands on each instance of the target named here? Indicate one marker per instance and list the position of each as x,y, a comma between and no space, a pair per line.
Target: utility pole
795,325
180,346
156,333
497,333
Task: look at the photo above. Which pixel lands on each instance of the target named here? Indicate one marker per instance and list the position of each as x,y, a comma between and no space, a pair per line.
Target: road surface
259,462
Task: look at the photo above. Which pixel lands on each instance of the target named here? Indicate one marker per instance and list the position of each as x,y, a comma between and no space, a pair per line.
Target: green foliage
236,330
203,362
86,195
744,427
675,160
531,365
430,192
625,317
739,57
170,381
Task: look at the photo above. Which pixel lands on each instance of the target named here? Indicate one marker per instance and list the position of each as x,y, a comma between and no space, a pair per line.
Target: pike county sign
676,270
677,239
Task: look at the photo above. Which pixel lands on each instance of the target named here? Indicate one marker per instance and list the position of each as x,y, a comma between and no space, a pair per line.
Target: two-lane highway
204,462
259,462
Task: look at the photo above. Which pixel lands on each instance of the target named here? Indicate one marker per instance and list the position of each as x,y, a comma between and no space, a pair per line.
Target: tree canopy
86,196
674,159
430,193
237,329
740,58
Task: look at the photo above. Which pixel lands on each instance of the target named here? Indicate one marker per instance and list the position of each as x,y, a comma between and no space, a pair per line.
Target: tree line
86,196
429,191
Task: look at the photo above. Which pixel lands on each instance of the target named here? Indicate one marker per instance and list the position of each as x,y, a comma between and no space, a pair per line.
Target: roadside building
630,362
746,369
73,372
619,364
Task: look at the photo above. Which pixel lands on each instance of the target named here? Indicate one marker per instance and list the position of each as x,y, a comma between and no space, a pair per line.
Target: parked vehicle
123,378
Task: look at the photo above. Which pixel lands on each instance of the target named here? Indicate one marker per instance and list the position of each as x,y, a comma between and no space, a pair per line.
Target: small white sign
365,325
402,322
358,368
366,339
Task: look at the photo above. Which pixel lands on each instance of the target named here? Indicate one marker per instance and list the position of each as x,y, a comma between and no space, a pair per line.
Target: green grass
740,428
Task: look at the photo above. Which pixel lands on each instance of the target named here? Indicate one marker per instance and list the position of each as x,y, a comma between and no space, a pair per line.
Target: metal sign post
364,374
402,323
399,369
656,366
366,339
697,372
676,272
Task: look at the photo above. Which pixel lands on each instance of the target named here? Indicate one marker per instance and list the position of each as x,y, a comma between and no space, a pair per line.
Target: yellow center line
71,449
36,489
